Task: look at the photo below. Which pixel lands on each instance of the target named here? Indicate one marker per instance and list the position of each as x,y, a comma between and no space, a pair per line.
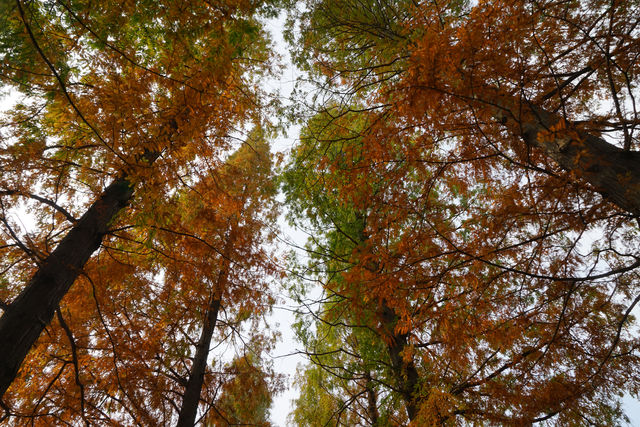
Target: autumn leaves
472,216
133,109
467,171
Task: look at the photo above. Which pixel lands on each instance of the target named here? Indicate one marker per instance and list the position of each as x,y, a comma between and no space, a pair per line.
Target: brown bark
26,317
191,397
404,372
372,400
612,171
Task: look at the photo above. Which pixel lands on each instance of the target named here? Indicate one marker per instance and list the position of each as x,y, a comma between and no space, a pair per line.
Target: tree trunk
372,400
612,171
405,373
26,317
191,398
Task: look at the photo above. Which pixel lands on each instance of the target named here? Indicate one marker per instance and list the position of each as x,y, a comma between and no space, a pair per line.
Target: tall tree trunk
612,171
404,372
372,400
191,398
26,317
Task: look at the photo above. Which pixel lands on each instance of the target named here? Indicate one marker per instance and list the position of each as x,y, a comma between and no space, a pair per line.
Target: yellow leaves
436,409
463,233
136,89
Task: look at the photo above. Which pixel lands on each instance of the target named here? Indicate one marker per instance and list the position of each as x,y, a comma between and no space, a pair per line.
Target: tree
348,380
500,339
131,94
319,183
246,397
458,160
247,191
142,319
559,77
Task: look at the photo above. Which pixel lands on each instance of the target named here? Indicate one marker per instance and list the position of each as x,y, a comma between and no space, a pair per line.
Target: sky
285,358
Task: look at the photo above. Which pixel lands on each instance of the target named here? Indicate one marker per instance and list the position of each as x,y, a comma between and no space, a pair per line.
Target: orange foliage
478,172
149,93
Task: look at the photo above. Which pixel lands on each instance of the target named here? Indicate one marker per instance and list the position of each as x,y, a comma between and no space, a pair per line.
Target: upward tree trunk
26,317
372,400
612,171
191,397
404,372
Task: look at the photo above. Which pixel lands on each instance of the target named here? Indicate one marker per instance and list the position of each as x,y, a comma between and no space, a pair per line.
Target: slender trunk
404,372
612,171
191,398
26,317
372,400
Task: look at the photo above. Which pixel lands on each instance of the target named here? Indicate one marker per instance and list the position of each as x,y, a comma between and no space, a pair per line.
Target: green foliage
348,359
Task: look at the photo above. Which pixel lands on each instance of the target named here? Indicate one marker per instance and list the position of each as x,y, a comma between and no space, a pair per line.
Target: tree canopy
467,173
481,148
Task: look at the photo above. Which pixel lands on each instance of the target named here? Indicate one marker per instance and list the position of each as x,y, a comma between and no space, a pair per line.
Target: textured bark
404,372
191,398
372,400
26,317
612,171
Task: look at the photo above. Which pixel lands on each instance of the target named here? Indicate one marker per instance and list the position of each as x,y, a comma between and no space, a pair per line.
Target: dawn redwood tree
347,381
241,209
117,99
136,345
539,78
545,84
354,350
317,183
518,336
462,78
524,112
245,395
